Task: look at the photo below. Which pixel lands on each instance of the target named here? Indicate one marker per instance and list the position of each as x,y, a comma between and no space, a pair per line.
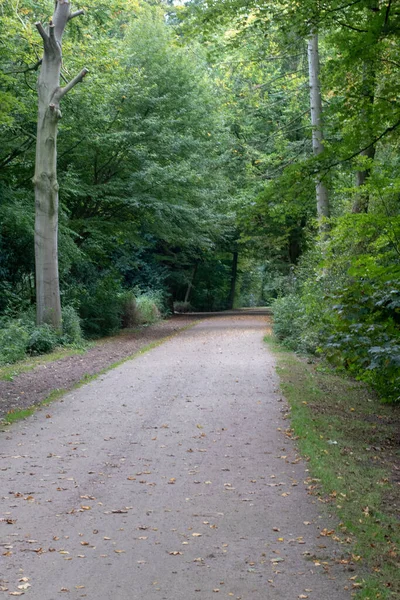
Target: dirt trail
168,478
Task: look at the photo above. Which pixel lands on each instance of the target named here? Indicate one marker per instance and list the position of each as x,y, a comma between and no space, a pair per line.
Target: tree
48,305
316,120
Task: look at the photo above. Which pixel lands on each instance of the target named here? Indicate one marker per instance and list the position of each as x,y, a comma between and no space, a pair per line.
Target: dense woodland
192,173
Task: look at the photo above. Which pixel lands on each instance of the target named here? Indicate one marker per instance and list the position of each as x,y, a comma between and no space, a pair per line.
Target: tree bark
48,305
323,209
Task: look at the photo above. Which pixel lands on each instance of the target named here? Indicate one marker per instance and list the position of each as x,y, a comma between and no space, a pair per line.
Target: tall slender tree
316,121
48,305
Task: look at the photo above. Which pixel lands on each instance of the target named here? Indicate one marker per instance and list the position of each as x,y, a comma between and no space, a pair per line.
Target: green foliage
149,306
101,307
42,339
71,327
129,310
347,305
13,342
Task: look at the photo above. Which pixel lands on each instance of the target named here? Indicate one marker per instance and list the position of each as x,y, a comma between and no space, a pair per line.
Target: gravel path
169,478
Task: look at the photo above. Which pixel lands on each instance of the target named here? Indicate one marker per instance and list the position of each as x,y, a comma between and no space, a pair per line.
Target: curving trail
169,478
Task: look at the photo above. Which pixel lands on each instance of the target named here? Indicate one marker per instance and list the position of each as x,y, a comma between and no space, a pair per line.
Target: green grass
8,372
349,440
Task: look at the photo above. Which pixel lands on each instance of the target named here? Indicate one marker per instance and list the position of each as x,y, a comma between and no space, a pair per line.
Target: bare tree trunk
323,209
190,284
48,306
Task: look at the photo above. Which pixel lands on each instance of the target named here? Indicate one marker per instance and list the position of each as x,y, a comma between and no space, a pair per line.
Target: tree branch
63,91
76,14
51,30
42,32
370,145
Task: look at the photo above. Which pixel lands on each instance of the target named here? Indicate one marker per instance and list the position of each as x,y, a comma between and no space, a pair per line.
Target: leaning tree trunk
323,209
45,180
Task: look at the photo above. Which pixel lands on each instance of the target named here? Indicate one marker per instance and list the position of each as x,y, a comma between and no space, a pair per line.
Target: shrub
148,308
101,307
13,342
42,339
287,318
71,326
129,316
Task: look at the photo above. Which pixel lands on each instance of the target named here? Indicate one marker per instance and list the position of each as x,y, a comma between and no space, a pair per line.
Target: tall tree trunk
323,209
48,306
233,280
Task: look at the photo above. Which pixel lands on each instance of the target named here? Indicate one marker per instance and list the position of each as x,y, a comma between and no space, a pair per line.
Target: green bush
101,307
346,302
148,307
42,339
129,316
71,326
13,342
288,313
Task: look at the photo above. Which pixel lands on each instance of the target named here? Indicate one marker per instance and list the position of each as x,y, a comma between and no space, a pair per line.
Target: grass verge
351,443
8,372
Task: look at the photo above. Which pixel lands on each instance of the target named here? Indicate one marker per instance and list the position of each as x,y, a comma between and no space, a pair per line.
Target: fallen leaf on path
175,553
119,551
197,534
277,559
